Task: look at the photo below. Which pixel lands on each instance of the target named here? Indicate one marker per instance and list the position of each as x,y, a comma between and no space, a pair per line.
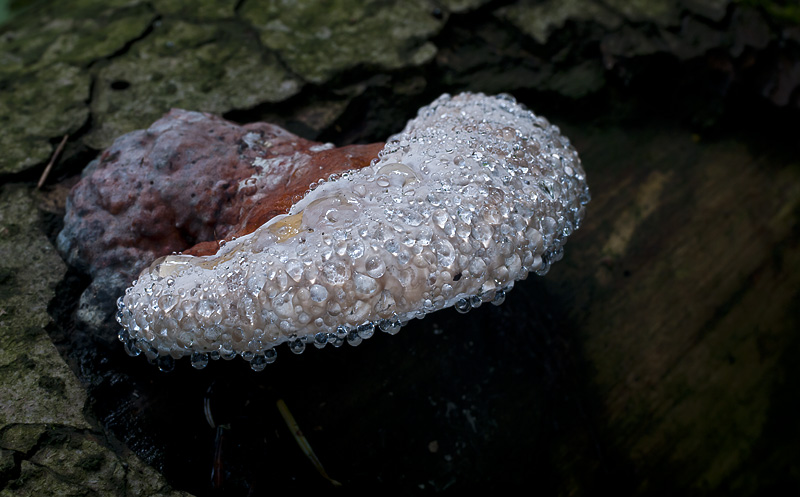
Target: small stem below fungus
207,408
302,441
53,158
216,467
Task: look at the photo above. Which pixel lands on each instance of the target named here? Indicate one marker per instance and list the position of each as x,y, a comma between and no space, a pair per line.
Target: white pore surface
474,194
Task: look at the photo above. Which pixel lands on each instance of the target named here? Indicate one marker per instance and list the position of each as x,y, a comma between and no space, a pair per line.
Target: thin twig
302,441
55,155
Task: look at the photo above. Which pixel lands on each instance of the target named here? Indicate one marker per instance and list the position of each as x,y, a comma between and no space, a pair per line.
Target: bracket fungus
473,194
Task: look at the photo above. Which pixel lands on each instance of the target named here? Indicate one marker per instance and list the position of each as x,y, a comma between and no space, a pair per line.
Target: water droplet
424,236
167,302
477,267
499,297
336,272
396,174
297,346
226,351
149,351
294,269
375,266
205,308
508,133
318,293
132,347
331,209
259,362
355,249
199,360
165,363
320,340
445,253
364,284
366,330
391,327
440,217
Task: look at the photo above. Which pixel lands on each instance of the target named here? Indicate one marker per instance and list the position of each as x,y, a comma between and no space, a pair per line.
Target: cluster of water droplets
473,195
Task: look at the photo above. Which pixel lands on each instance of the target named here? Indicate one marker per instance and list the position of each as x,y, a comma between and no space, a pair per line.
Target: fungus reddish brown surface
188,181
274,201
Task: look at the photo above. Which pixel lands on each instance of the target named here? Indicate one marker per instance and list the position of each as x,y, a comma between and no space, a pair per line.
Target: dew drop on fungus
320,340
199,360
165,363
259,362
353,338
